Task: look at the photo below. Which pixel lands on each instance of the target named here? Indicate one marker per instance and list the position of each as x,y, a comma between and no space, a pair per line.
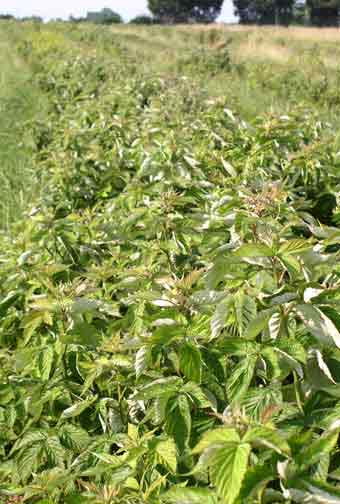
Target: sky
63,8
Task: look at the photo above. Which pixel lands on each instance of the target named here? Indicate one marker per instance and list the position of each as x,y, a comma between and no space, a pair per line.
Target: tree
264,11
105,16
324,12
143,19
6,17
320,12
33,19
184,11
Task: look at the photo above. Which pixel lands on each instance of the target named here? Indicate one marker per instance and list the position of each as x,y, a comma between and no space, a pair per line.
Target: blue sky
63,8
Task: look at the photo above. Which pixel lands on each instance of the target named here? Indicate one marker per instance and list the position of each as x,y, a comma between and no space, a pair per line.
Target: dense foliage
169,309
264,11
143,19
105,16
203,11
314,12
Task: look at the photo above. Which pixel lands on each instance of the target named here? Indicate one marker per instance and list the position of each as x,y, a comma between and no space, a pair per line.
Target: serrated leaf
78,408
254,250
272,364
167,454
227,468
191,362
245,311
28,461
229,168
220,317
216,436
306,489
142,360
162,386
270,438
178,420
291,264
255,480
179,495
291,247
74,437
324,444
241,378
45,362
318,324
258,324
30,438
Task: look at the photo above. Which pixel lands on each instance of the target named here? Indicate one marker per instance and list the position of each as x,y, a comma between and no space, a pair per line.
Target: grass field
169,265
271,69
20,101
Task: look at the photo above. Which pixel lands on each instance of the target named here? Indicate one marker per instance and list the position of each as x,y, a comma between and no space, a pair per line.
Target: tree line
262,12
283,12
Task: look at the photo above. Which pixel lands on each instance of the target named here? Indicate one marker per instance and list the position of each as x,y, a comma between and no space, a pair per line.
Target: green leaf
78,408
142,360
254,250
179,495
178,420
74,437
45,362
191,362
82,334
216,436
167,454
258,324
305,489
291,264
30,438
321,470
323,445
245,311
162,386
272,364
270,438
291,247
239,347
255,480
318,324
197,394
229,168
28,461
241,378
8,301
227,468
220,317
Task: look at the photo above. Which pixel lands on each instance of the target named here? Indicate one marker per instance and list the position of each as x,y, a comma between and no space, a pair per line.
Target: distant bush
143,20
33,19
188,11
6,17
105,16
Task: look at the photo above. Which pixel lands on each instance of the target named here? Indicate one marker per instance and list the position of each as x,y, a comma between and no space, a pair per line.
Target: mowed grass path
20,101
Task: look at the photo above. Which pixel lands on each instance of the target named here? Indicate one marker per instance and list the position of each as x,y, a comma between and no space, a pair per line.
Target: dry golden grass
252,49
290,33
277,44
292,46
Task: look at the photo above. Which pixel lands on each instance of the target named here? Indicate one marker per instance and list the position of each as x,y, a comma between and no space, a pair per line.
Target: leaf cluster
169,327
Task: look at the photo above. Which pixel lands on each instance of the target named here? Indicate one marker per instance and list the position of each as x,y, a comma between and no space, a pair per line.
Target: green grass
20,101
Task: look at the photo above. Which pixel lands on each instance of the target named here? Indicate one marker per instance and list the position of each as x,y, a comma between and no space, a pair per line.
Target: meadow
169,264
